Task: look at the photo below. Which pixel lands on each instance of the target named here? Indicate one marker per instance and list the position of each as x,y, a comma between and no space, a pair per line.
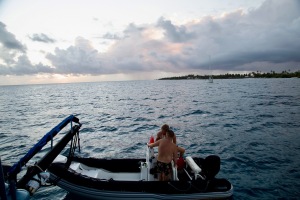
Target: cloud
240,40
82,58
41,38
8,40
175,33
14,58
110,36
24,67
263,39
10,47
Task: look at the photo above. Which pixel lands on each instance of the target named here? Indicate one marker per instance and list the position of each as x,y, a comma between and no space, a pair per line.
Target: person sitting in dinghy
162,133
167,151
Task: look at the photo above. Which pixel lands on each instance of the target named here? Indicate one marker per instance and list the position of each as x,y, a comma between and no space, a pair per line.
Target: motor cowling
211,166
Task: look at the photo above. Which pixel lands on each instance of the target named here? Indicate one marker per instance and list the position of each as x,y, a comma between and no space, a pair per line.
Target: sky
62,41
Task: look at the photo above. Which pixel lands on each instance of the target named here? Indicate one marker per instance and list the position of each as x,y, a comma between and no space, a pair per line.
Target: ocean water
252,124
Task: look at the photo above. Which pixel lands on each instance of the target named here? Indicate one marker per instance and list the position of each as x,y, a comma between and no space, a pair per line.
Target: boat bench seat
90,173
104,174
120,176
84,170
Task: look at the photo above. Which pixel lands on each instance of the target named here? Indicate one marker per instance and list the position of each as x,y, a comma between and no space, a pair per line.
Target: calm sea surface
252,124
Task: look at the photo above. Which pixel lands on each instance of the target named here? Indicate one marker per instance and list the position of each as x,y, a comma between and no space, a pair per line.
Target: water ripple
252,124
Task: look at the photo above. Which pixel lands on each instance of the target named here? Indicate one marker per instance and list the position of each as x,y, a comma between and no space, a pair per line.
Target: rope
51,141
185,190
74,142
78,142
73,147
38,167
207,183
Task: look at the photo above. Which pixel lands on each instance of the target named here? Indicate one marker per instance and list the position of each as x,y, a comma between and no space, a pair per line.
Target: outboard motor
211,166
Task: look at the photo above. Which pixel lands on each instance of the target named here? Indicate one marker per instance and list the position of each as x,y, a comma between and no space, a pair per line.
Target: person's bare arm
155,144
181,151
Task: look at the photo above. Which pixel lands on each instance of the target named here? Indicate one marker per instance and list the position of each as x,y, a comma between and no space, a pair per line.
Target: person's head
164,128
170,134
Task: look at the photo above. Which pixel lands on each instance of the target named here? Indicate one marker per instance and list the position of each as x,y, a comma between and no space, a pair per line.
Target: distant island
272,74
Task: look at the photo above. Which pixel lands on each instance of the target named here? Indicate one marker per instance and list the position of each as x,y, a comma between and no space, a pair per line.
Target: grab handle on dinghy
174,172
195,168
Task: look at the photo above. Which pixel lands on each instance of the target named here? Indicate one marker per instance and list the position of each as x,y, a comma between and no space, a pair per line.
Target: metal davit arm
45,162
16,168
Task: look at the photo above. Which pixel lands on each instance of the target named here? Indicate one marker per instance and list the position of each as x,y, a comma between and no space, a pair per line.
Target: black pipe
45,162
13,189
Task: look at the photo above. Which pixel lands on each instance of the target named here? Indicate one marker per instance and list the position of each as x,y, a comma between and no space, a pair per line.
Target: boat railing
174,172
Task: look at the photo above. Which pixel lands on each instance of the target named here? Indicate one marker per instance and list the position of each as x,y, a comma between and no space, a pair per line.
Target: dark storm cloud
41,38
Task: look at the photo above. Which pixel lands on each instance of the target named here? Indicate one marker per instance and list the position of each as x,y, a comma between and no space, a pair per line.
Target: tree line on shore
258,74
